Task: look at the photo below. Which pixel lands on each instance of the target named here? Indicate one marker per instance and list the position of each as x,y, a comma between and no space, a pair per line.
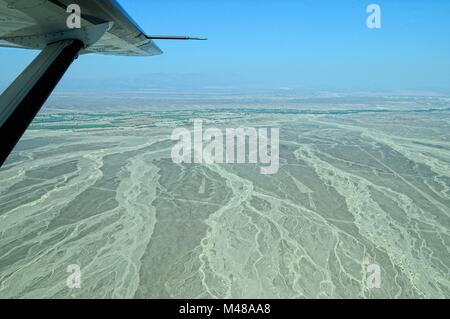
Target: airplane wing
28,18
105,28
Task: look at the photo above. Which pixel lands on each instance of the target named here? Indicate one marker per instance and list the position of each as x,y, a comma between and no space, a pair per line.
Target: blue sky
320,44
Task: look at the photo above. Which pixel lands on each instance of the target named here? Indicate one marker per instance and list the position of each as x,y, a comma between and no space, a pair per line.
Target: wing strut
24,98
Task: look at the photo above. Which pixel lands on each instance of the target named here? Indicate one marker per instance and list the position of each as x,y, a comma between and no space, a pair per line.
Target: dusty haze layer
354,188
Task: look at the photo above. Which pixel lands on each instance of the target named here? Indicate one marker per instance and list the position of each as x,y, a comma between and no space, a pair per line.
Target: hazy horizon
314,45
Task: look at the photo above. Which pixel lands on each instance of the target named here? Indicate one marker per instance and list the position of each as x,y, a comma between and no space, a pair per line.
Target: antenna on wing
164,37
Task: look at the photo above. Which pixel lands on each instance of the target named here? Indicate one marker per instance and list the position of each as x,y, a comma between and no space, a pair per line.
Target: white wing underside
26,19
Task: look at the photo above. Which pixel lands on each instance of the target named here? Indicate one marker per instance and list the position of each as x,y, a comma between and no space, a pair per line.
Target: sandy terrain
101,191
